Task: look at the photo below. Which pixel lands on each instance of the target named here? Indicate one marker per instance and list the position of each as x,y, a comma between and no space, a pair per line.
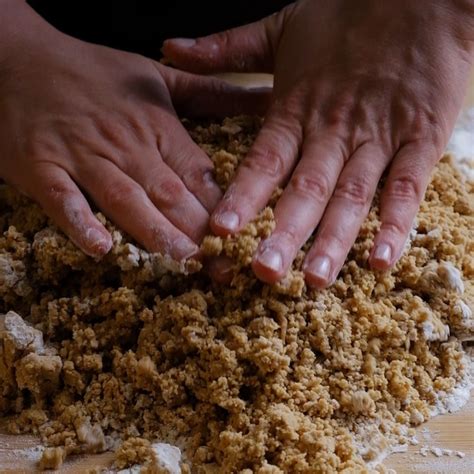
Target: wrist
22,34
19,23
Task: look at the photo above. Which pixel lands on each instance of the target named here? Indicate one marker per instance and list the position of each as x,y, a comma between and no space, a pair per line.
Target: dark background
142,26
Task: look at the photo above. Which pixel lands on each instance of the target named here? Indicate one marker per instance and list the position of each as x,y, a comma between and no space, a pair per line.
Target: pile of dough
247,377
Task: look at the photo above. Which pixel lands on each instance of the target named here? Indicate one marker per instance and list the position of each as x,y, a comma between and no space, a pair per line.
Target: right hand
360,88
77,117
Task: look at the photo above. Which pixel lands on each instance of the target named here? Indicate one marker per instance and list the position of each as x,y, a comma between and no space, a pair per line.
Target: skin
81,121
360,89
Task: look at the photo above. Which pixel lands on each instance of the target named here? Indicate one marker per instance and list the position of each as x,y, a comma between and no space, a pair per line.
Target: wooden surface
454,431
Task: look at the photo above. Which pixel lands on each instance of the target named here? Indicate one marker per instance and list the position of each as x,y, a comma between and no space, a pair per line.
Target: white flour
28,454
455,400
168,459
22,335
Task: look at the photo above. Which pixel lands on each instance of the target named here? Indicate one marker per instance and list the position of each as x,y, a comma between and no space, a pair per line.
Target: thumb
248,48
201,96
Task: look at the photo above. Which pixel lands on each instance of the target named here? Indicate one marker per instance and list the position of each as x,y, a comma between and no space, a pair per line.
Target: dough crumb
135,451
52,458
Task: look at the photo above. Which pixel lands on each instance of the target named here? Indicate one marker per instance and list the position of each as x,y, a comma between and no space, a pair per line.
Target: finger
171,197
127,204
300,207
267,165
401,197
64,203
191,164
344,215
247,48
200,96
220,269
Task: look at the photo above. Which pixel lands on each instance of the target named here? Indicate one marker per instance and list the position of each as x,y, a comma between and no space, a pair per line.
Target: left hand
81,121
359,87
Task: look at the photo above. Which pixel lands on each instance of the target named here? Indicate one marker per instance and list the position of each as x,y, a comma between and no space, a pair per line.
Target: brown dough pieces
136,349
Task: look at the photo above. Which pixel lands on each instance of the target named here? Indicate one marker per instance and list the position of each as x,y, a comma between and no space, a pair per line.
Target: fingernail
229,220
271,259
320,267
383,253
183,42
98,241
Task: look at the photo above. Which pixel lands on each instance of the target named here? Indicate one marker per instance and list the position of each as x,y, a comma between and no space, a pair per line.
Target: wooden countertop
454,431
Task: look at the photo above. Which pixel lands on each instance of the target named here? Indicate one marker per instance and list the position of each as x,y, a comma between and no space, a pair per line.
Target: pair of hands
359,88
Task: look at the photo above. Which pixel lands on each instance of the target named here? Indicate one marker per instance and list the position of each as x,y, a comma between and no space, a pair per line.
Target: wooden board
454,431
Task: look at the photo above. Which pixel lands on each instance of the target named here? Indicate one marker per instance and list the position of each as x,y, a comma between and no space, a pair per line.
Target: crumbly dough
244,377
134,451
52,458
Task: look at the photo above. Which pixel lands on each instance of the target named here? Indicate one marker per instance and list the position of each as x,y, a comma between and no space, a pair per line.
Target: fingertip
318,271
175,45
183,43
381,257
225,222
184,248
315,282
95,242
268,265
64,203
264,274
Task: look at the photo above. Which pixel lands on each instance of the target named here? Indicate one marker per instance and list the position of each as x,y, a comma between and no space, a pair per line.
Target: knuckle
57,191
334,240
354,189
395,226
317,188
40,143
424,126
340,241
266,162
405,187
115,194
340,111
224,39
197,177
58,197
168,192
291,235
111,131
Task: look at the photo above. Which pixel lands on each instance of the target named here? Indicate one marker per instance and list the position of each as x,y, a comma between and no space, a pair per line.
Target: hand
359,87
77,117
